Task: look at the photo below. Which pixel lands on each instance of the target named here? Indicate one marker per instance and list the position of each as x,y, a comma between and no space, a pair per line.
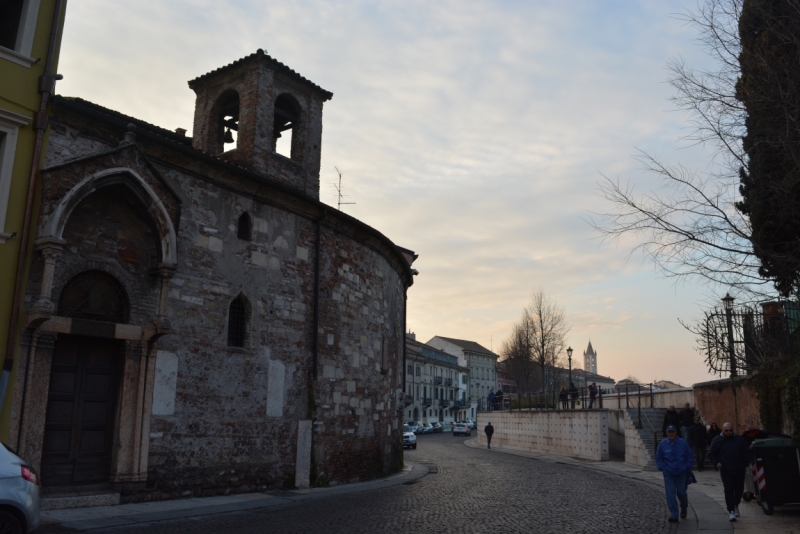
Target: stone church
198,322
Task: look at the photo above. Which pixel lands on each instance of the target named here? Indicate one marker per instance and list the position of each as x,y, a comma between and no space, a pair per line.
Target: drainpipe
47,84
315,337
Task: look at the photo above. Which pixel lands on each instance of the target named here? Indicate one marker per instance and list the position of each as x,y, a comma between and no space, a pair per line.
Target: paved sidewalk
706,497
83,519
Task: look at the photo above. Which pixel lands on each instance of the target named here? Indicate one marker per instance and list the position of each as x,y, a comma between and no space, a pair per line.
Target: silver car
19,494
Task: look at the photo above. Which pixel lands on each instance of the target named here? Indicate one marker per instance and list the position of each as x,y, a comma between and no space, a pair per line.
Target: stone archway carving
53,226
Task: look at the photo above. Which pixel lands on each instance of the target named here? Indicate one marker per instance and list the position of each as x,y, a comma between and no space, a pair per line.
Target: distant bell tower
590,359
245,107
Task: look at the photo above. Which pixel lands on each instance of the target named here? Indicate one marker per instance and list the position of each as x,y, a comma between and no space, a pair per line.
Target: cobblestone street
467,490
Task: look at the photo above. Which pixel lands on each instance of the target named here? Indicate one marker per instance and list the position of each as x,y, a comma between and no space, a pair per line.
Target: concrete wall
616,433
728,401
579,434
661,398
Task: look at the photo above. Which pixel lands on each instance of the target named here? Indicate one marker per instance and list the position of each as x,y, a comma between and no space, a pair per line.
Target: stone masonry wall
225,419
728,401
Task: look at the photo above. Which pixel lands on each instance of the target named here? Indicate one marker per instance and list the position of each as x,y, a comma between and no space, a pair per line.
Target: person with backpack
592,394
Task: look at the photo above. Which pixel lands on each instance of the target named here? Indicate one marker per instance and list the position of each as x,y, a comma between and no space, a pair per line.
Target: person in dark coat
498,399
674,459
687,420
488,430
592,394
671,418
563,396
713,432
731,456
699,441
490,401
573,394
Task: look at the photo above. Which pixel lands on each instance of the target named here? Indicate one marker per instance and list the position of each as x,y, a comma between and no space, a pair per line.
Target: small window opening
245,227
238,316
228,116
10,21
287,115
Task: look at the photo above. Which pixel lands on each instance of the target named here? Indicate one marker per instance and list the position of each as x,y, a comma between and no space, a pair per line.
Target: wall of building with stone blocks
728,401
579,434
235,419
661,399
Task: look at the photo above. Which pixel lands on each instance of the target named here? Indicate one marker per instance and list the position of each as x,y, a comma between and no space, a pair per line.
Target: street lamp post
727,302
569,357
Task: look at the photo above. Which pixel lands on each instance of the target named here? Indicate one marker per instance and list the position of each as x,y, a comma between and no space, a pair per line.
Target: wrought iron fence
743,338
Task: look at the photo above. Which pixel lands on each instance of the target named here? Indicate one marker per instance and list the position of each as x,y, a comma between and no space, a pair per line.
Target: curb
710,517
83,519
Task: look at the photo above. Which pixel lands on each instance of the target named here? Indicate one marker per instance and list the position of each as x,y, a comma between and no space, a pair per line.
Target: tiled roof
152,128
277,65
471,346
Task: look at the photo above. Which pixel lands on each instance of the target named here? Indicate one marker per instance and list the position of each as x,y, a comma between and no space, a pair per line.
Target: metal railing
578,398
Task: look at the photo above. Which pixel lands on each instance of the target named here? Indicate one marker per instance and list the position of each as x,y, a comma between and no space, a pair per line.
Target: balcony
444,403
437,380
448,381
426,402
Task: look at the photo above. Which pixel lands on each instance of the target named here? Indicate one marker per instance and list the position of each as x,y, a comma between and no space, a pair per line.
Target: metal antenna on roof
339,191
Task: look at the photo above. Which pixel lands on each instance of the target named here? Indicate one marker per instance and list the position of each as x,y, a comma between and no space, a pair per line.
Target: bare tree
546,329
535,345
692,227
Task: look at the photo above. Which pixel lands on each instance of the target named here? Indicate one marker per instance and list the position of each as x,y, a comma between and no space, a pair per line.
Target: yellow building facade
30,41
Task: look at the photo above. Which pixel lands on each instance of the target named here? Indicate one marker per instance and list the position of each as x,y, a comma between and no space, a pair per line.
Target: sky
474,133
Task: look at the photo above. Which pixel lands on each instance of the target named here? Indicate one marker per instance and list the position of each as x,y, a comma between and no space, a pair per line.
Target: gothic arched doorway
84,383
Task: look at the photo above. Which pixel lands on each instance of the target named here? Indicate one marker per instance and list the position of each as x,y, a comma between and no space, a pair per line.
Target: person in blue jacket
674,459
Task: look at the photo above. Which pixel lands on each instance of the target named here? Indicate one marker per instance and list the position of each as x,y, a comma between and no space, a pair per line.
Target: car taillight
30,475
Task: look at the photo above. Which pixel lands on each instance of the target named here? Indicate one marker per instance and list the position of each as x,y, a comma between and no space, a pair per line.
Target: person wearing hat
675,459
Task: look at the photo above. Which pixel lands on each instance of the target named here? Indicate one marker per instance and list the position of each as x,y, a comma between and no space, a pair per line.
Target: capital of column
50,247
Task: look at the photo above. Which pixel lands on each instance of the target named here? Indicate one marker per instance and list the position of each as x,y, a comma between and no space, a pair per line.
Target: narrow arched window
226,110
285,128
244,228
238,320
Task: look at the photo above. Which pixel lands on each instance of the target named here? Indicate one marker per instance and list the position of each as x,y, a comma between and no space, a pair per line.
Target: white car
462,429
19,494
409,439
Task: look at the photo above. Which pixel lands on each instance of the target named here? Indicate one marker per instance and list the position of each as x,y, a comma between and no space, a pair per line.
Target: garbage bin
774,472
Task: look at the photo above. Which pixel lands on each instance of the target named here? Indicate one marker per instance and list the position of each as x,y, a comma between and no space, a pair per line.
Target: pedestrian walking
731,456
488,430
687,420
563,396
592,394
490,401
671,418
573,394
674,459
699,441
713,432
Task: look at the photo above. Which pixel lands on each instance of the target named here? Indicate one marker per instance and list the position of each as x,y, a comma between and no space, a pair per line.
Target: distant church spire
590,359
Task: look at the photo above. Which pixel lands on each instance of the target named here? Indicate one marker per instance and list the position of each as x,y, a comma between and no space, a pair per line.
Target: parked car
19,494
427,429
470,423
437,428
462,429
409,439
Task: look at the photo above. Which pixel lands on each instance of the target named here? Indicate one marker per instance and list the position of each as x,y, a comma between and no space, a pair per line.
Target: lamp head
727,301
